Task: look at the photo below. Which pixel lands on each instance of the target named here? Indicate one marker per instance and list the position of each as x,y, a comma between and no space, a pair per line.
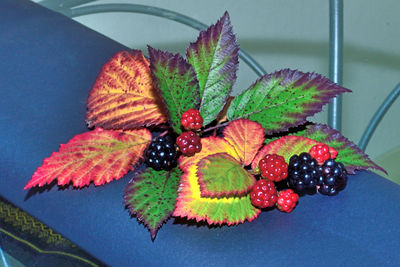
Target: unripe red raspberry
189,143
322,153
273,167
287,200
263,194
191,119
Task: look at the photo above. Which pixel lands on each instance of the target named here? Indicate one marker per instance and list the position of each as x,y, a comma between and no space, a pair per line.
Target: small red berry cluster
273,168
189,142
322,152
192,120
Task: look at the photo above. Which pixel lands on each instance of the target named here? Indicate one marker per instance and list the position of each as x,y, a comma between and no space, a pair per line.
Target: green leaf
349,154
214,57
151,197
220,175
177,84
284,99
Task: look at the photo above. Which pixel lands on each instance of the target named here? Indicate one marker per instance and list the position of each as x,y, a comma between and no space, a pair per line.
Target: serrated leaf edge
295,78
164,55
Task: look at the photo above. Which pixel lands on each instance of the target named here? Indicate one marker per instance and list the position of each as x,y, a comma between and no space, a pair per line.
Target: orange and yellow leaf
124,95
246,136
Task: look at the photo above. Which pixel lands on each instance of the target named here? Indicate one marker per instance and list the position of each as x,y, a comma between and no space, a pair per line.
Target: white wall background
294,34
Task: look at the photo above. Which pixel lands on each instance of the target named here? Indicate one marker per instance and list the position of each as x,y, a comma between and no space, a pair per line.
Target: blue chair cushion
48,64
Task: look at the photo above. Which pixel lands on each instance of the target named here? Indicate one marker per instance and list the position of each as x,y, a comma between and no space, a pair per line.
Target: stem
216,127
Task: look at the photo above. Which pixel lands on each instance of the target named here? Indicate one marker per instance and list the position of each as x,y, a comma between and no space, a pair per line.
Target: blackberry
333,178
161,154
303,172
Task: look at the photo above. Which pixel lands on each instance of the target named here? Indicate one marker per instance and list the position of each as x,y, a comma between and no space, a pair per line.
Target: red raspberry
191,119
287,200
189,143
273,167
322,153
263,194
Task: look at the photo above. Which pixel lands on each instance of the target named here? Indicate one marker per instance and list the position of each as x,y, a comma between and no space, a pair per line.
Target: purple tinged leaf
352,157
284,99
176,82
214,57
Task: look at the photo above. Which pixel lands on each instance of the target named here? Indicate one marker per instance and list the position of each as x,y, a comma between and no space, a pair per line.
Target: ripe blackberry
263,194
191,119
333,178
273,167
303,172
189,143
161,154
287,200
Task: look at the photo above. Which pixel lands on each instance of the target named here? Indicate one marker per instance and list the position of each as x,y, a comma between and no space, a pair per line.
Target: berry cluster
161,154
303,172
273,167
314,171
287,200
322,152
263,194
333,178
189,143
192,120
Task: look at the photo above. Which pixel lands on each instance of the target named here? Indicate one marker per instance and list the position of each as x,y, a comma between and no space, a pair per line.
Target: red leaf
99,156
124,95
246,137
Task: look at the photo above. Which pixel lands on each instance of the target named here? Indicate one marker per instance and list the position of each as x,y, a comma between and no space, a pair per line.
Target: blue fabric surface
48,64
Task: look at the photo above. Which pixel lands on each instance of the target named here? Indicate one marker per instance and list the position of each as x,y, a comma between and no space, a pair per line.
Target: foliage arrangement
234,156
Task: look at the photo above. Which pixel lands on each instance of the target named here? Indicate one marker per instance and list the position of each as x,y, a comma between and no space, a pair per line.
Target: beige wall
294,34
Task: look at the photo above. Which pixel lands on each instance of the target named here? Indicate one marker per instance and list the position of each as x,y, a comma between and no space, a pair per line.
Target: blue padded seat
48,64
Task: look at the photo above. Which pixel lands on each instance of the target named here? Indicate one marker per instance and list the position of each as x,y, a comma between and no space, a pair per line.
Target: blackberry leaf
176,82
214,57
284,99
151,197
349,154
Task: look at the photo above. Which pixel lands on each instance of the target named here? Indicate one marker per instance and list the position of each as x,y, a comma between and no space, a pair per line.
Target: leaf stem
216,127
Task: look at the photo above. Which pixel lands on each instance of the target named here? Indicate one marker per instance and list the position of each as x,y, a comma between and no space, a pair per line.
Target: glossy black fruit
303,172
161,154
333,178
